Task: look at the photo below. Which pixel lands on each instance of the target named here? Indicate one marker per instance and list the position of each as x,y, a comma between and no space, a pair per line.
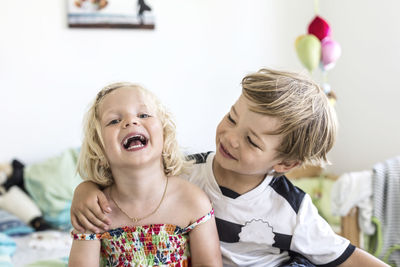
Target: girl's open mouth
134,142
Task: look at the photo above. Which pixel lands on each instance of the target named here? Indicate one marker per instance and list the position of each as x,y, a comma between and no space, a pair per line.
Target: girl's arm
88,208
85,253
204,240
362,258
204,245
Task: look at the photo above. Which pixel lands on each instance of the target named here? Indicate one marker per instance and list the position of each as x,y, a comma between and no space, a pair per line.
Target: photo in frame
128,14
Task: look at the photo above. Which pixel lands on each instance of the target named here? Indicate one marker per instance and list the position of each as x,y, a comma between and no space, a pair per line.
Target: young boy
280,121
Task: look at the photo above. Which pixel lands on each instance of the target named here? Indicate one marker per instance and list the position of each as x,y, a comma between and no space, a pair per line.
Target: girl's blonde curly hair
93,164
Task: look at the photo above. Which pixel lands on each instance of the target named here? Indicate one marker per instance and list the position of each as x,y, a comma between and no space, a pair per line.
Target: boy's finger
99,214
98,222
88,225
103,202
76,224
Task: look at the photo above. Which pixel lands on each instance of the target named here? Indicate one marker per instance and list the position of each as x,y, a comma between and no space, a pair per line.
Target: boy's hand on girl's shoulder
88,209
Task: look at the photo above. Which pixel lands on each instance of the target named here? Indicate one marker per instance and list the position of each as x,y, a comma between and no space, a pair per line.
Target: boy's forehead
256,121
242,104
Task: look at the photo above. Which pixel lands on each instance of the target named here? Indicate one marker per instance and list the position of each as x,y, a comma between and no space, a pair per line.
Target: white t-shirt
264,226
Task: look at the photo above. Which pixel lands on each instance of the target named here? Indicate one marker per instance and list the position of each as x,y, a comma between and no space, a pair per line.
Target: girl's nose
130,122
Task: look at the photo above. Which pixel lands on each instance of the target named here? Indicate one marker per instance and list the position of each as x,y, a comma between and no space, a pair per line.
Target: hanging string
324,76
316,7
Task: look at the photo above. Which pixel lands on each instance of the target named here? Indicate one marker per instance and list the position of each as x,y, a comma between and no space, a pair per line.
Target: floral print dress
147,245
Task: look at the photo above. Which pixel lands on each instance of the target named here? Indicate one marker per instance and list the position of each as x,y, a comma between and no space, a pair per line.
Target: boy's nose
233,140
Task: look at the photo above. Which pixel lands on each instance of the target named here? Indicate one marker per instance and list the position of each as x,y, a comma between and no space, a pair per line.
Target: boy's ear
285,166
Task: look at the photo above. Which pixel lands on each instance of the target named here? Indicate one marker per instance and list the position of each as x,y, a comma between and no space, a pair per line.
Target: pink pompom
330,52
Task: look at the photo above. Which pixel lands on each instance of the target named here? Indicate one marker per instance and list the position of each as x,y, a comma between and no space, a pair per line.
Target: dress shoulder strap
199,221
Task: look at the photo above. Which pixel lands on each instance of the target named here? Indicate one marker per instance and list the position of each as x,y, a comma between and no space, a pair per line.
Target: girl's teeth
140,145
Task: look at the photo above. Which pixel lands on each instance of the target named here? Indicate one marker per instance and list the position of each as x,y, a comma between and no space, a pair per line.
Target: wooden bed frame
349,223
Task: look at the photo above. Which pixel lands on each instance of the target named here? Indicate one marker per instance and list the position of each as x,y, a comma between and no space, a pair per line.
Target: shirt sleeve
314,238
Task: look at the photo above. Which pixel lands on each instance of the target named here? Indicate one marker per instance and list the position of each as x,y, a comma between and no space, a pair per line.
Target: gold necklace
134,219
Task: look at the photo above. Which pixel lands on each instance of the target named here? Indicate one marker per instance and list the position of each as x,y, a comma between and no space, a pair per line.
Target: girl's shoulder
195,201
186,189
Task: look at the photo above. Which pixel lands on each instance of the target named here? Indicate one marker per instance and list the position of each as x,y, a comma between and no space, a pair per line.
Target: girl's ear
285,166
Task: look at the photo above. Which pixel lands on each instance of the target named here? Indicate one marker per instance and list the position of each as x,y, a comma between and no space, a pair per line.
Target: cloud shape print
257,231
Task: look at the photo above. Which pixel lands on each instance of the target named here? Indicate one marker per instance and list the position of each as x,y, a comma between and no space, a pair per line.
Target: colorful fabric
148,245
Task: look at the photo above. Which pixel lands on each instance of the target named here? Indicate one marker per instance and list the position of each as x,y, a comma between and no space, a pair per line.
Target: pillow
51,184
12,225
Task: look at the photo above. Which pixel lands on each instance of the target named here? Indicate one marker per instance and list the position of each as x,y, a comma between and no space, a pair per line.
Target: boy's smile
244,147
225,153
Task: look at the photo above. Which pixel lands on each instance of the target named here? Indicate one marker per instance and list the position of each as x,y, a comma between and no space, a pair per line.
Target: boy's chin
221,162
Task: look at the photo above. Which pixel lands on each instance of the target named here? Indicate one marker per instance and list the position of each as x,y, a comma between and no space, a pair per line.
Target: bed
49,187
51,184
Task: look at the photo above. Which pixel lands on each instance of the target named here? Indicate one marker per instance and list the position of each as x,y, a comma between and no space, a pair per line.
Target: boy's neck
239,183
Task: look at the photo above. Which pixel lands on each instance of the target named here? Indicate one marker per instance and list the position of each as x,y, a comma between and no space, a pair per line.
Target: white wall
194,60
366,80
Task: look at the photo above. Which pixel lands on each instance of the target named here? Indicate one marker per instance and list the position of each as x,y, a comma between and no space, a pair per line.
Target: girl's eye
114,121
144,115
230,119
251,142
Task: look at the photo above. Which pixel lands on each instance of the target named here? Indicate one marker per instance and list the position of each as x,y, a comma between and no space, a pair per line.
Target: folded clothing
354,189
12,225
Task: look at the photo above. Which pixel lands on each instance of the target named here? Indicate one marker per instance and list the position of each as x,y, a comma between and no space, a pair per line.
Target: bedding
7,249
12,225
46,248
51,184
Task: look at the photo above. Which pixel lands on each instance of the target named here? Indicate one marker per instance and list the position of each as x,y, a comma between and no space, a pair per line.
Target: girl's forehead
126,98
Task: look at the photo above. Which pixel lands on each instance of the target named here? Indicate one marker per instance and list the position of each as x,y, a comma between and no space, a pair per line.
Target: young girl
129,149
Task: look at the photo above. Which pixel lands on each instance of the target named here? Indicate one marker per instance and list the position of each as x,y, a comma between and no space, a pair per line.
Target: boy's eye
114,121
144,115
251,142
230,119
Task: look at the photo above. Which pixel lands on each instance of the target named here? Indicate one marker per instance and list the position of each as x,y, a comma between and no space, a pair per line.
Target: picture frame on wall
128,14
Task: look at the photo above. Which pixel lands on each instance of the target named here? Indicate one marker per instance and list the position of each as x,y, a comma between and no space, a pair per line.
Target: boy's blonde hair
308,121
92,162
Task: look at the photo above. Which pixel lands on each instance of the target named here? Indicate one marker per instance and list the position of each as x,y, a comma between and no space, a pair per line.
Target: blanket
7,249
386,192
